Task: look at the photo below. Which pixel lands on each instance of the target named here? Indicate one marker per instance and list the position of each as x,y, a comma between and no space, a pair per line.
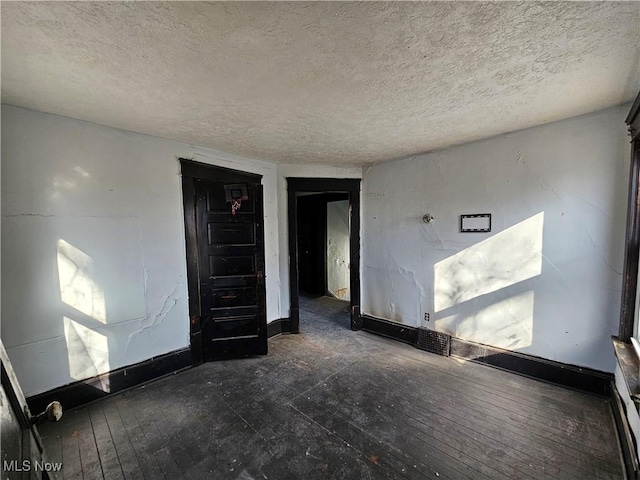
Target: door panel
222,264
225,233
226,297
231,274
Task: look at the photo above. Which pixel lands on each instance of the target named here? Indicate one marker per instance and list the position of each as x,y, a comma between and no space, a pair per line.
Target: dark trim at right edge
633,119
632,248
625,438
632,231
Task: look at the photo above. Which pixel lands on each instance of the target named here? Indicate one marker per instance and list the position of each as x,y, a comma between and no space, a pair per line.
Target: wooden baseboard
386,328
85,391
567,375
281,325
572,376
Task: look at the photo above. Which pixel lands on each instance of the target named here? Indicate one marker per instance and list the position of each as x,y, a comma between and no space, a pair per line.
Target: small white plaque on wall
479,222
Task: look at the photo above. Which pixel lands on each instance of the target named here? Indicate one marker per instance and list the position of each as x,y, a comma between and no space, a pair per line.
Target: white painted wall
93,253
546,281
303,171
338,249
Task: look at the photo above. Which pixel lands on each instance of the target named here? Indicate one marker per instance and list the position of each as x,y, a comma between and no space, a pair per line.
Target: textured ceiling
331,83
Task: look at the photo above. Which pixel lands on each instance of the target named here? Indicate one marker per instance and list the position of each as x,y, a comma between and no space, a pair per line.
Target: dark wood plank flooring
330,403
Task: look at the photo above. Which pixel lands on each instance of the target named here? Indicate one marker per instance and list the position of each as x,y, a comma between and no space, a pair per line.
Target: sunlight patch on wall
506,324
77,287
88,352
509,257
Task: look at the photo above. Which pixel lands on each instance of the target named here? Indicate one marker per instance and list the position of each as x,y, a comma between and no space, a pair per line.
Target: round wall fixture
428,218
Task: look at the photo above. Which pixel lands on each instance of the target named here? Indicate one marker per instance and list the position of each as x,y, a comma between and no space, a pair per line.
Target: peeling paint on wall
169,302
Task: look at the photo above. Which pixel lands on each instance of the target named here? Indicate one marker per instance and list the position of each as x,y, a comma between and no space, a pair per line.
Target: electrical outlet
426,316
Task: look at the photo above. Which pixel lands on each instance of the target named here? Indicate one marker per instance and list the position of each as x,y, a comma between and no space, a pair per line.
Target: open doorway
324,243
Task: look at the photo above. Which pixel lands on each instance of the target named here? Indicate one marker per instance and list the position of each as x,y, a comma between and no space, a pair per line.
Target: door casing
351,186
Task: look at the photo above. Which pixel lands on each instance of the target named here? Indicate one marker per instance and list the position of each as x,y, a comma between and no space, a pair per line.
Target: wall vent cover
434,342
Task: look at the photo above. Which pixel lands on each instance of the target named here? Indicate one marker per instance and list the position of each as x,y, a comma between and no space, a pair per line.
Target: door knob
53,413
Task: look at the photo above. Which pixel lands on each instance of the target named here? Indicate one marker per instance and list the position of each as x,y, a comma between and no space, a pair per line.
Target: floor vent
434,342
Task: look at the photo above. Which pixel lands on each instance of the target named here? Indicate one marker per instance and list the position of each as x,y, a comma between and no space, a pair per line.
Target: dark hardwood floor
330,403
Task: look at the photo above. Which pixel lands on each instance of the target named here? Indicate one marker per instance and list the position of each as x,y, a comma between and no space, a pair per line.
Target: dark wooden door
22,452
231,272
